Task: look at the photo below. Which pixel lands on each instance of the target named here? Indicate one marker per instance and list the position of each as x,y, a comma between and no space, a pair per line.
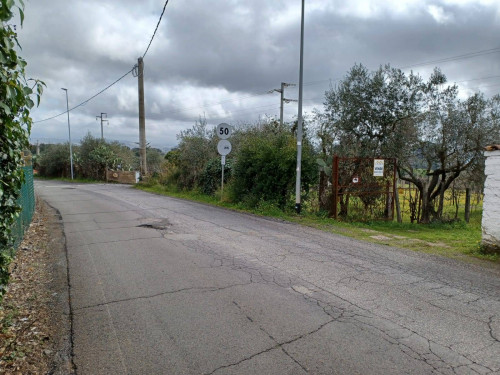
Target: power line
119,79
156,29
447,59
453,58
88,100
181,109
479,87
246,110
477,79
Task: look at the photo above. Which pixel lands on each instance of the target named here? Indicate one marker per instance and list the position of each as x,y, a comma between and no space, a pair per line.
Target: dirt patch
381,237
35,320
402,239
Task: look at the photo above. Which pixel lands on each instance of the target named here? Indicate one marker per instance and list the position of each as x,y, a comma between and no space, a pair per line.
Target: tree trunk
467,205
396,202
427,206
344,204
439,213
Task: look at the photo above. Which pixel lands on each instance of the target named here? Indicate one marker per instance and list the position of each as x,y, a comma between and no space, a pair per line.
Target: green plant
55,161
210,179
196,146
265,167
16,94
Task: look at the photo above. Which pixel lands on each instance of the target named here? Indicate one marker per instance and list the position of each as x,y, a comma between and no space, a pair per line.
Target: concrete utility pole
69,133
103,117
142,118
299,125
283,100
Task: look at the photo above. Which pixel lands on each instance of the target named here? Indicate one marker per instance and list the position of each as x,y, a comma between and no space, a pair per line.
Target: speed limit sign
223,131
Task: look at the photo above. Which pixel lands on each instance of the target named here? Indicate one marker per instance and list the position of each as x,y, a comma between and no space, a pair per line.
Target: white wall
491,204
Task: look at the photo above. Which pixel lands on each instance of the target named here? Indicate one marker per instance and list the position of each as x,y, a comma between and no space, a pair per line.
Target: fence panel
27,202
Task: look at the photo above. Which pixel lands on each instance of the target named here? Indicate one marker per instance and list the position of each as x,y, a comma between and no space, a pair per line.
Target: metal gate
363,188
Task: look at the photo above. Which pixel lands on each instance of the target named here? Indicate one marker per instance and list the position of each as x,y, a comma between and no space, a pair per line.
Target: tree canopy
433,133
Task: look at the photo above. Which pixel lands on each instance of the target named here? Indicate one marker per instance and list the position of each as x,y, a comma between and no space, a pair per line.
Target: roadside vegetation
18,96
454,239
436,136
91,158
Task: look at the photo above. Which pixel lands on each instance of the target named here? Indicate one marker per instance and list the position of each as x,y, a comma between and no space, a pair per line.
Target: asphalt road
165,286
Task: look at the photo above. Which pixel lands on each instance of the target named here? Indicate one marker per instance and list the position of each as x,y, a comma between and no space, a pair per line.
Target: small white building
491,204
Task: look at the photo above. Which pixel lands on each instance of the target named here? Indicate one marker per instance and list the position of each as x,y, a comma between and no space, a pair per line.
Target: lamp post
69,133
299,122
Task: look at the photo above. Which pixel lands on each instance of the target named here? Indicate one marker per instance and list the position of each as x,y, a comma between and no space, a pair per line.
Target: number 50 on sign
224,131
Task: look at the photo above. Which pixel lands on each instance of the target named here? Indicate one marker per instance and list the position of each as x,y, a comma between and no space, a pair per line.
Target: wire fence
455,202
27,202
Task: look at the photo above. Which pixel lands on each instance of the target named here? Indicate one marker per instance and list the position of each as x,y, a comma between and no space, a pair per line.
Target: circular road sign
224,131
224,147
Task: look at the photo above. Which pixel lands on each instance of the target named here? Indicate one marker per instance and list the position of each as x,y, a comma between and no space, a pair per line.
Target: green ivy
16,94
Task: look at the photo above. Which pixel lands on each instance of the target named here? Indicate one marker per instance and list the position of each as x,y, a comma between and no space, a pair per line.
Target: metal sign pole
224,148
223,163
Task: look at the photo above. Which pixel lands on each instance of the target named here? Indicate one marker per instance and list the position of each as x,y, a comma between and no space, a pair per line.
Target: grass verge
454,240
76,180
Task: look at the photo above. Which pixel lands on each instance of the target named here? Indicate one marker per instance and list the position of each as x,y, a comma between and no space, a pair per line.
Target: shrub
16,94
55,161
265,167
210,179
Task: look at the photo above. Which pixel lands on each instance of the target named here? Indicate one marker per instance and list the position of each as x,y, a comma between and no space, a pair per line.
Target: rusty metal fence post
335,186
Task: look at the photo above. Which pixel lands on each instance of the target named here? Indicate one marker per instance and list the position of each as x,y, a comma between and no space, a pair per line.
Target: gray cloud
210,57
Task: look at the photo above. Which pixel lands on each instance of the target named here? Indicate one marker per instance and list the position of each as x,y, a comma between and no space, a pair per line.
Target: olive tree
197,146
450,135
434,135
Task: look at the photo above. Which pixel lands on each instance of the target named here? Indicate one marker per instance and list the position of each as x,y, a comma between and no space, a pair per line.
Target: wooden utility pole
142,118
103,119
283,100
282,91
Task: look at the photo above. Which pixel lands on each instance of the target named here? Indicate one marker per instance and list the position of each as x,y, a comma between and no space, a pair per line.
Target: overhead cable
119,79
453,58
88,100
156,29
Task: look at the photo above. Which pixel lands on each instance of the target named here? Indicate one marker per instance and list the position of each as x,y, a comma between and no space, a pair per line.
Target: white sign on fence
378,167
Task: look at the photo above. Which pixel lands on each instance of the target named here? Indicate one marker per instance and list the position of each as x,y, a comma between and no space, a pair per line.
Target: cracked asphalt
164,286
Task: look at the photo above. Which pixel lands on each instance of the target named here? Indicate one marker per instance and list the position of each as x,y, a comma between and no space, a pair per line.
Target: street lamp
299,123
69,133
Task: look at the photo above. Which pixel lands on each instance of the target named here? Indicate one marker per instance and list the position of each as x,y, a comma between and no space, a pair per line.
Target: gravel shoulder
35,318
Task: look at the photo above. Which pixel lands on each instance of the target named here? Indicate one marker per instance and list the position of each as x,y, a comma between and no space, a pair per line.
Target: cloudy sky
219,58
